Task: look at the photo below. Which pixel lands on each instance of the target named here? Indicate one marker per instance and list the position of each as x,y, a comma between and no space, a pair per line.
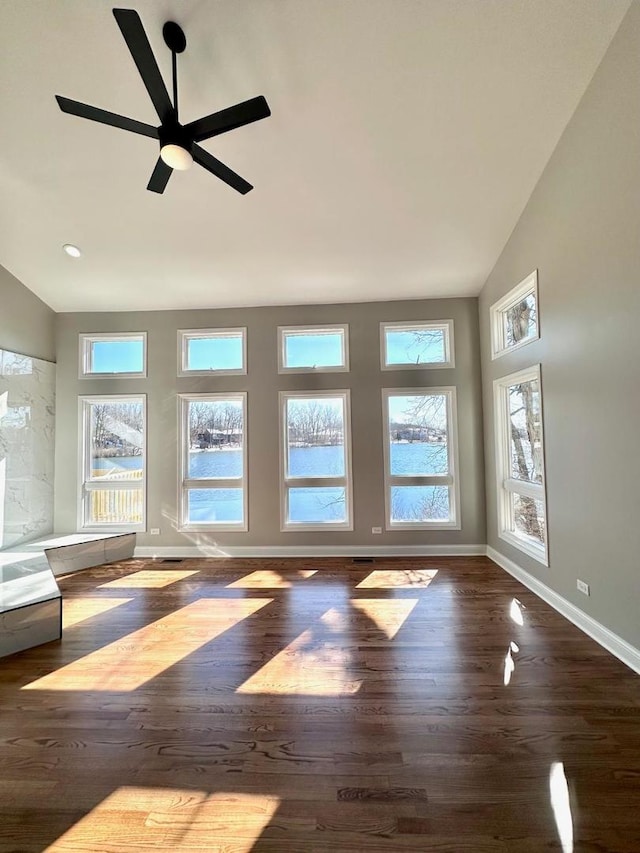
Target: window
316,461
514,318
407,346
114,355
522,516
213,461
202,352
113,445
421,458
308,349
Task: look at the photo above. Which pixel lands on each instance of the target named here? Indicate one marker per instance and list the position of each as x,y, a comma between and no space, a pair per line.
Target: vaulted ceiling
405,139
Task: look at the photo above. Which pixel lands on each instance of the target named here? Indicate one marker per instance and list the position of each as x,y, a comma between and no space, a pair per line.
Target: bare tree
312,423
524,405
117,429
423,340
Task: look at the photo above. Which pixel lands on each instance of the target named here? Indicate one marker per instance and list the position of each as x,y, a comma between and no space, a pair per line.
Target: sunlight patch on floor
515,611
315,664
561,805
148,579
131,661
76,610
390,579
171,819
389,615
268,579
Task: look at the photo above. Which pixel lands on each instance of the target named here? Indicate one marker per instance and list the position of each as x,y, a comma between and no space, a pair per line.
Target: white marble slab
27,415
30,626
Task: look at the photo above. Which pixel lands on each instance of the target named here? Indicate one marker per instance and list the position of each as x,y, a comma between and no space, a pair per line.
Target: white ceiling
405,139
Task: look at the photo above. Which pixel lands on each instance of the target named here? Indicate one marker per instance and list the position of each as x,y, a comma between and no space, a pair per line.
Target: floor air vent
363,560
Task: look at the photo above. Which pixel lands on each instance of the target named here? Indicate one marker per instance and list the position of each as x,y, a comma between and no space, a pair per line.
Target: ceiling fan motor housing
175,134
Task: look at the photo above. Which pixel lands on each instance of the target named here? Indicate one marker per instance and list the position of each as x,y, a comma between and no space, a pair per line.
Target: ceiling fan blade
138,44
211,164
229,119
75,108
160,177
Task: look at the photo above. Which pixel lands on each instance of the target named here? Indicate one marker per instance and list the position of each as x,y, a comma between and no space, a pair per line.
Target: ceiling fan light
176,157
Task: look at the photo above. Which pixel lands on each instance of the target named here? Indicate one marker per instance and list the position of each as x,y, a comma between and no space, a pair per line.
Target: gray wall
27,324
365,380
581,230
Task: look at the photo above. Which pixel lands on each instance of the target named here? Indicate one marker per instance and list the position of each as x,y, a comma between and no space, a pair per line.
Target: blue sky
221,353
117,357
309,350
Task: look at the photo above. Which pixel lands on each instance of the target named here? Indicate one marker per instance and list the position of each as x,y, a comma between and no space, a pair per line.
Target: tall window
213,461
202,352
522,515
514,318
114,355
406,346
316,461
112,489
313,349
421,456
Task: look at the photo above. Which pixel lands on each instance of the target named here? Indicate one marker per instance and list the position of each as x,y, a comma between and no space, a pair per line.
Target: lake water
319,504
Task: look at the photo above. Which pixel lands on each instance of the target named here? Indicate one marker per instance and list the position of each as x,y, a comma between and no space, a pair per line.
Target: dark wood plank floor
307,706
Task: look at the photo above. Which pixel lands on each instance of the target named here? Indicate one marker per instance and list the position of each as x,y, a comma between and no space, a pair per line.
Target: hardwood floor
307,706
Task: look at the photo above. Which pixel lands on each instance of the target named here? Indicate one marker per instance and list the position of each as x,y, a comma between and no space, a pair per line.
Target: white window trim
506,485
345,482
428,325
184,483
184,335
84,350
86,485
452,479
283,331
527,286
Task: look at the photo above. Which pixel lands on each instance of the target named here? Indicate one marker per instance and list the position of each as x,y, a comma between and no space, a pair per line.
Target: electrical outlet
376,530
583,587
155,531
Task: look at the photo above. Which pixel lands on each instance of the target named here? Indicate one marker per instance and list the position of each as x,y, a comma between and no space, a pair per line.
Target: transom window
416,345
202,352
213,463
113,442
514,318
114,355
522,513
308,349
420,453
316,461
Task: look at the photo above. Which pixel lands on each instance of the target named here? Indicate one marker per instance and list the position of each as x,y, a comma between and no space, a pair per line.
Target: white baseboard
618,647
312,551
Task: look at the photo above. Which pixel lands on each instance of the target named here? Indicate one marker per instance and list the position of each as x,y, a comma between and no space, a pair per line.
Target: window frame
287,483
528,286
86,484
407,325
185,335
185,483
85,352
506,486
451,480
283,331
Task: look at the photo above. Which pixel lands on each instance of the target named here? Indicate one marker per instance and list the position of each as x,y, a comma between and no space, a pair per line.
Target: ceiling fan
178,143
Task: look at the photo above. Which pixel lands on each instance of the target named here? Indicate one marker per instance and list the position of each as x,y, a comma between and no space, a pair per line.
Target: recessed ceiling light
72,250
